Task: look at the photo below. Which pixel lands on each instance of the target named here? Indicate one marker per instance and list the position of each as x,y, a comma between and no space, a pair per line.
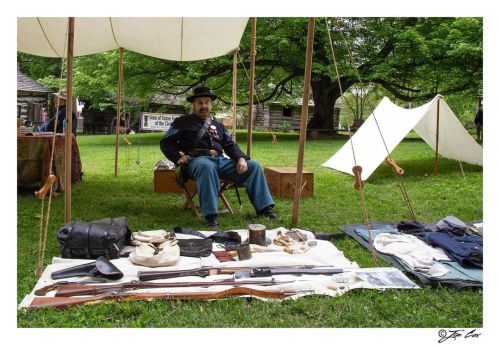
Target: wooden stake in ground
437,140
303,121
251,92
69,122
118,103
235,81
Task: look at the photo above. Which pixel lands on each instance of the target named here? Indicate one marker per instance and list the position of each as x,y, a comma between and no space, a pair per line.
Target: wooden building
98,121
31,98
276,117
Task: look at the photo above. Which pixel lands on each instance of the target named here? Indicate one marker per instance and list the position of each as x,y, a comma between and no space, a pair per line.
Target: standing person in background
44,115
478,121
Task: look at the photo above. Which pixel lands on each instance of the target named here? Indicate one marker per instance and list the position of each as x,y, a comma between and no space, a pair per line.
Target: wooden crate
164,182
281,182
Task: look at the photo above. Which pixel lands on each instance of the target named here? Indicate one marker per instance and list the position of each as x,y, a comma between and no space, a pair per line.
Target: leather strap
201,132
67,249
87,232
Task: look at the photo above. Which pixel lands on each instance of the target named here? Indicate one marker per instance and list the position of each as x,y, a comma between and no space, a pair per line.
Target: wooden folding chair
225,184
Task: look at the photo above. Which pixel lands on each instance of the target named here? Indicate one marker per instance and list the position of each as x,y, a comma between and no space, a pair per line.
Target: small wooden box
164,182
281,182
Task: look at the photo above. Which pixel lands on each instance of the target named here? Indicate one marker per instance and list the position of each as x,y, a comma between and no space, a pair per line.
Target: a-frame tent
384,129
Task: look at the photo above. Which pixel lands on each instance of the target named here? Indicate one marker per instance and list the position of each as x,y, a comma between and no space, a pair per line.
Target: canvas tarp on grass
395,123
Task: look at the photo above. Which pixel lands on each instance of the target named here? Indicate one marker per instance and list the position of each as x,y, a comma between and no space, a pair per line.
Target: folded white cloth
148,255
152,236
417,254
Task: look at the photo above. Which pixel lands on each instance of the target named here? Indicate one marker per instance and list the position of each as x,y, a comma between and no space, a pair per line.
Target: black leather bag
90,240
195,247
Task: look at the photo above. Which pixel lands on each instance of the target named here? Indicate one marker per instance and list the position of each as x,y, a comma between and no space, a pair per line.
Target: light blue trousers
207,171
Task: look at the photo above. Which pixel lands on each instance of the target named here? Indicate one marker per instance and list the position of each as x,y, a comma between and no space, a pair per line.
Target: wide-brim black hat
201,92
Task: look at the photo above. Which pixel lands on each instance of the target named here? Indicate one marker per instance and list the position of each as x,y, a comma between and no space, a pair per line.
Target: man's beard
203,115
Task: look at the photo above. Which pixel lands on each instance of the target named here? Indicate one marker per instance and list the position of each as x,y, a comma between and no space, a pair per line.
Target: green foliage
411,58
285,128
335,202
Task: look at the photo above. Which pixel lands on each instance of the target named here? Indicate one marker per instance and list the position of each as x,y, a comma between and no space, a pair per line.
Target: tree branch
278,86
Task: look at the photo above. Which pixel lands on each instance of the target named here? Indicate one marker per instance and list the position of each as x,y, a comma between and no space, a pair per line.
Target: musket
205,271
69,289
269,271
65,302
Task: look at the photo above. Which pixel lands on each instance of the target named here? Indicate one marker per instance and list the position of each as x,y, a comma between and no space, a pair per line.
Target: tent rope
356,169
47,39
274,138
43,228
399,179
248,77
113,32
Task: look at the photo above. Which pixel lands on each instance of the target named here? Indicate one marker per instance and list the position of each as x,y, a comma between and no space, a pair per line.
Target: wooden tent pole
69,121
252,76
437,139
118,103
235,81
303,121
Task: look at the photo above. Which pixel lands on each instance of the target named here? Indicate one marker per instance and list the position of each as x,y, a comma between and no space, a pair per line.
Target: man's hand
183,160
241,166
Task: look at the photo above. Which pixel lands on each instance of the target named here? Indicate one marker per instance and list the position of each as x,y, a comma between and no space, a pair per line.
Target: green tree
412,58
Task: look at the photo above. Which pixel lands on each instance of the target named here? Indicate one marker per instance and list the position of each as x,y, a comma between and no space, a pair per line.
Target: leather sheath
101,268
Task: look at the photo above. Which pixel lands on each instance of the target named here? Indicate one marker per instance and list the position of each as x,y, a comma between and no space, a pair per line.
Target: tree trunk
325,94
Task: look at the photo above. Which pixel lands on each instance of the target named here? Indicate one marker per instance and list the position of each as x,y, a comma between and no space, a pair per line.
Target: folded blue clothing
466,250
363,232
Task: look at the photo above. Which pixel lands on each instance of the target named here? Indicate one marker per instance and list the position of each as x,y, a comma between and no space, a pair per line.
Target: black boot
212,223
267,212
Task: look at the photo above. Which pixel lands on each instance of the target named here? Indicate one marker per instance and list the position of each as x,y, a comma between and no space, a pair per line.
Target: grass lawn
335,202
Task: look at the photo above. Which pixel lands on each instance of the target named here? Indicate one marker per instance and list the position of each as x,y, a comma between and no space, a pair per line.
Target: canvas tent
395,123
179,39
182,39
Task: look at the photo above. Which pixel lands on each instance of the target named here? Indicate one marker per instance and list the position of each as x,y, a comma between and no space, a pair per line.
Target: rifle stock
65,302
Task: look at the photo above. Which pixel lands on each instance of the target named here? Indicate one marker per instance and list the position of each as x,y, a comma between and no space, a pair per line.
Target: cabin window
288,112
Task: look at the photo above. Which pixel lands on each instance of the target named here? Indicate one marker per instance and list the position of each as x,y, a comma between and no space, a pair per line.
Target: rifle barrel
71,290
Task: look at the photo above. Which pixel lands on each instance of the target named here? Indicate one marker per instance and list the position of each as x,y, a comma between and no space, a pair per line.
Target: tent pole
437,139
235,81
303,121
118,103
252,76
69,121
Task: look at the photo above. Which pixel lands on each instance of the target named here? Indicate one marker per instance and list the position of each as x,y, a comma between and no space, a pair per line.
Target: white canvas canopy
179,39
395,123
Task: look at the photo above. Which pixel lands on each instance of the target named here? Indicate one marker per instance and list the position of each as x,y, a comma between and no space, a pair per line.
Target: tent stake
437,139
303,121
252,77
69,121
118,103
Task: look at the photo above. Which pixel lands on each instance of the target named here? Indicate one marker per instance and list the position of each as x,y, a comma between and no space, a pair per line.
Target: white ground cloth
324,254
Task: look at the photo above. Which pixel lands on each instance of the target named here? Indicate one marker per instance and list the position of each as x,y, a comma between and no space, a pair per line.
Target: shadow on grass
421,169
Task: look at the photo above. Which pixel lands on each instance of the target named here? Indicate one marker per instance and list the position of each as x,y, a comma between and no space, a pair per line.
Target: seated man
199,141
61,116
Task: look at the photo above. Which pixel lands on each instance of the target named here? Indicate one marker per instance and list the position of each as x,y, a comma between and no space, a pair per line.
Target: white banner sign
157,121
